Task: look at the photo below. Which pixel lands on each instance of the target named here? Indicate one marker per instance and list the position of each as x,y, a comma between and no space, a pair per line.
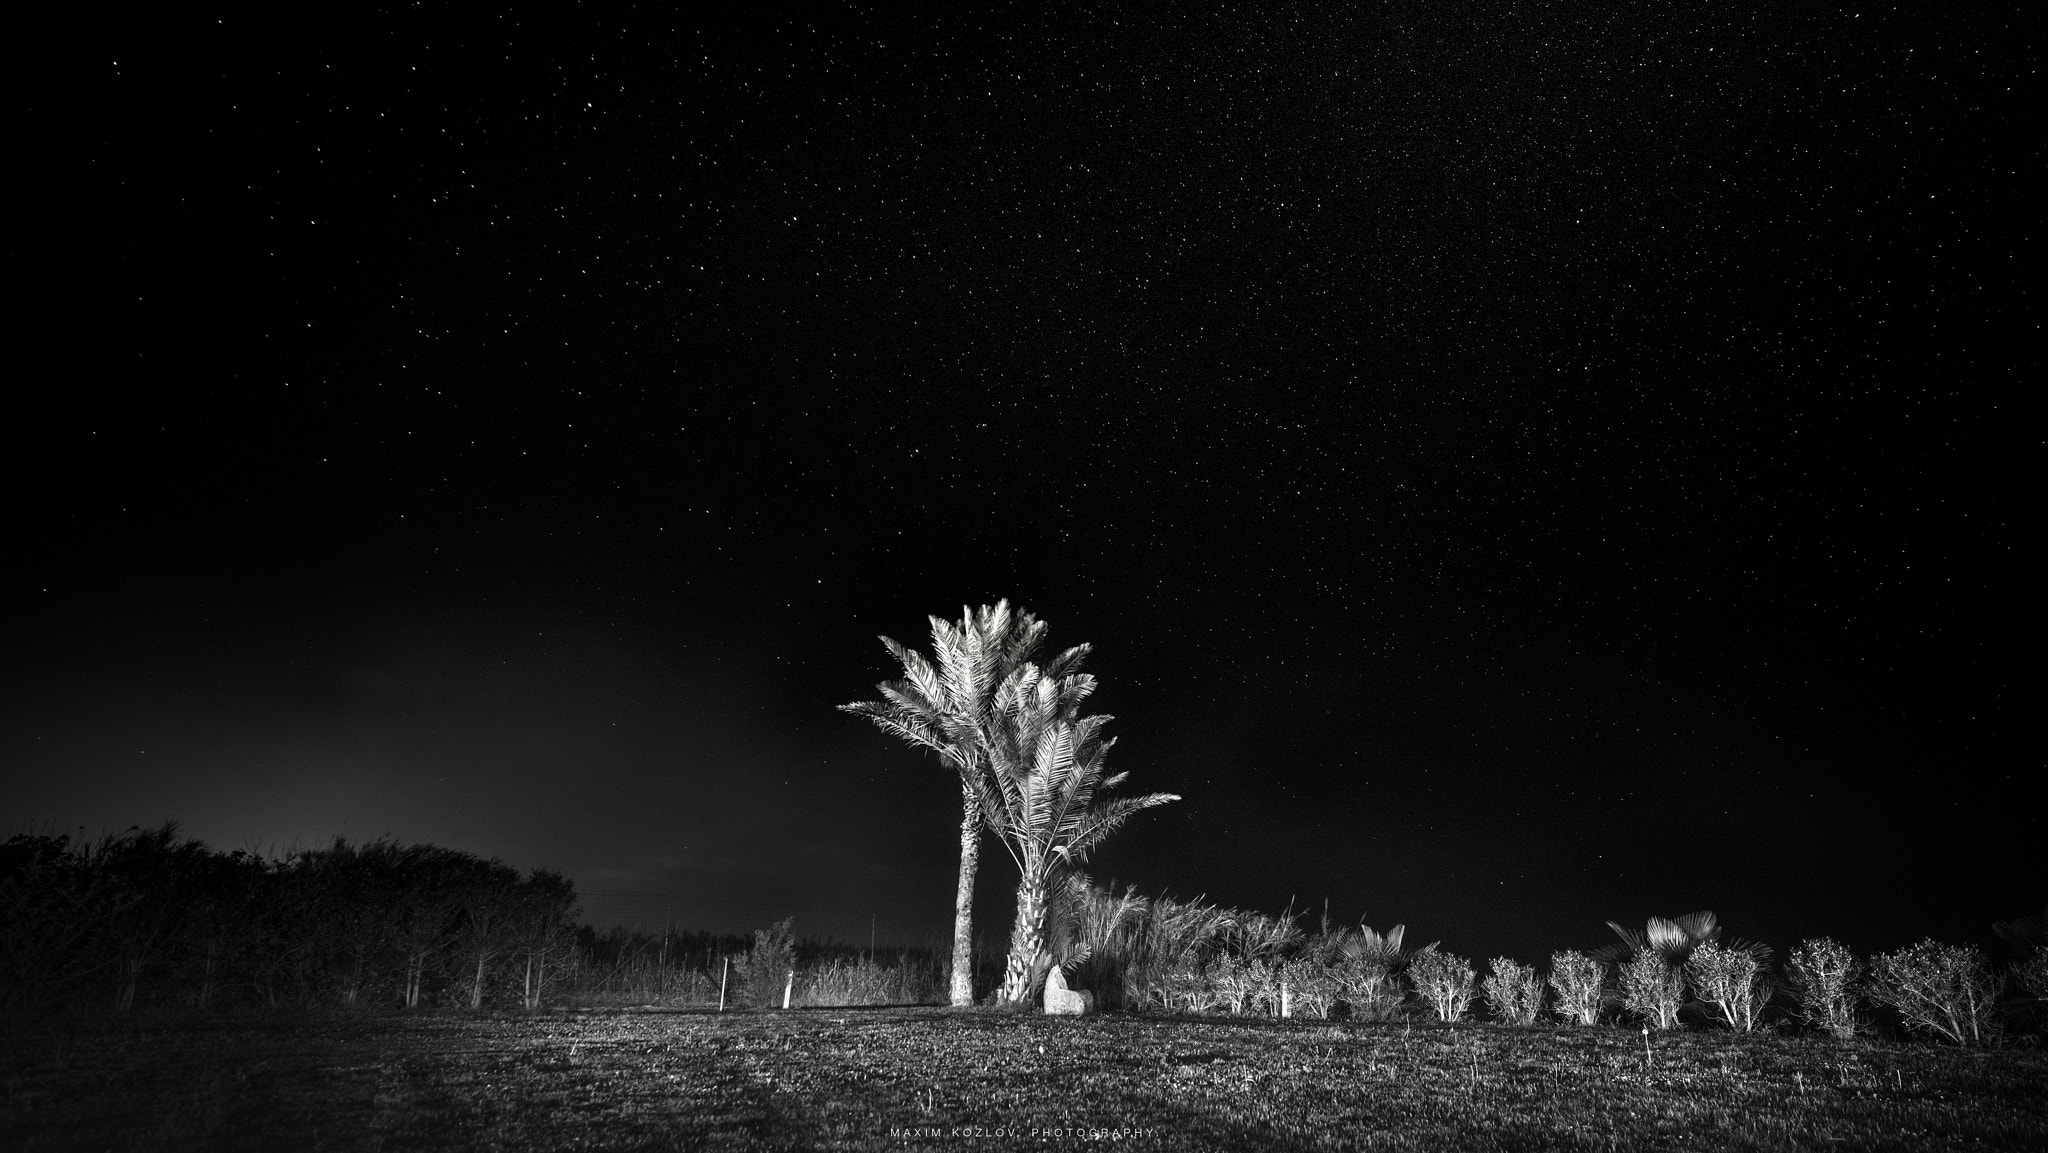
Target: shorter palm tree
1046,769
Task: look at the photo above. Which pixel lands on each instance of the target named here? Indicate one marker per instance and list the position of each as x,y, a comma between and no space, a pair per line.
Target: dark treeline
146,918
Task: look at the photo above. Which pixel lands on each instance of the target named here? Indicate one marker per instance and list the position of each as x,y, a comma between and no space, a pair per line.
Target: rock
1062,1001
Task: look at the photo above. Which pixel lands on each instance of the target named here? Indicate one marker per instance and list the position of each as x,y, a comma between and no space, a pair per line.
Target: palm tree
947,707
1045,769
1674,939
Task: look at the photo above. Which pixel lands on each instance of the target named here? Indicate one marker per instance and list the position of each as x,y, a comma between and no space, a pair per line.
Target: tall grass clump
912,980
1514,993
1162,949
1248,976
1824,974
1941,990
1732,983
1444,980
1088,935
1652,988
1578,981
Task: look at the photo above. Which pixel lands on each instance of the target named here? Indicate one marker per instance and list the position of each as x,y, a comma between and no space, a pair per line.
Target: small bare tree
1513,992
2031,971
1731,982
543,931
1577,980
1943,990
1652,988
1825,975
1444,980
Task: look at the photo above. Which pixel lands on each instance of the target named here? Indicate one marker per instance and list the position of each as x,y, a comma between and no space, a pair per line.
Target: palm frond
1067,663
2026,932
1700,927
1366,945
1632,943
1104,821
917,671
906,698
897,723
1667,937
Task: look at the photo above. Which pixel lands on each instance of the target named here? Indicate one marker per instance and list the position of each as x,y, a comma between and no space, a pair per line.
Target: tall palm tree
947,707
1045,769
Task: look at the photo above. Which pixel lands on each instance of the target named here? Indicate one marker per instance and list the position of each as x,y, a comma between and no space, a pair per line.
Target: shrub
1162,949
1444,980
1731,982
1371,990
1184,990
2031,971
1367,972
1652,988
765,971
1314,989
1576,979
1943,990
1244,984
1514,992
1825,974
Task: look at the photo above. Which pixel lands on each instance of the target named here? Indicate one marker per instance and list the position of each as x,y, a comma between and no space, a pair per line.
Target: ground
941,1079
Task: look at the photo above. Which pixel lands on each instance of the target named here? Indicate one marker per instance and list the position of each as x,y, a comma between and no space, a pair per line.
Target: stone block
1062,1001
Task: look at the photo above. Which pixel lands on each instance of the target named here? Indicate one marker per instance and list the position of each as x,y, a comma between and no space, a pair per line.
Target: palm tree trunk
963,898
1028,958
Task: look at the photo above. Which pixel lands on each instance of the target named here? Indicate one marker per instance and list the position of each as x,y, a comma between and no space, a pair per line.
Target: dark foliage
146,918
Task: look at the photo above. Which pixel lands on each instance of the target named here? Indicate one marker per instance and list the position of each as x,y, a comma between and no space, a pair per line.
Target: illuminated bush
1941,990
1652,988
1444,980
2031,971
1314,989
1825,974
1577,980
1244,984
1730,982
1513,992
767,969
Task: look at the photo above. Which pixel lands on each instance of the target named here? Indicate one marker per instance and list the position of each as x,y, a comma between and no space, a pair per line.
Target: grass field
934,1079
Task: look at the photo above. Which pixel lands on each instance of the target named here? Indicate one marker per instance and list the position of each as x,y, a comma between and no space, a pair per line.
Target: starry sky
1519,465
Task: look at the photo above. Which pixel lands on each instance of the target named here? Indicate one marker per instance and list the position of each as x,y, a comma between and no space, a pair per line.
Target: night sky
1519,465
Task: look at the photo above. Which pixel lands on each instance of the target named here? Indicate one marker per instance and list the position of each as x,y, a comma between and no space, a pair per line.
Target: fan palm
1040,795
1674,939
945,705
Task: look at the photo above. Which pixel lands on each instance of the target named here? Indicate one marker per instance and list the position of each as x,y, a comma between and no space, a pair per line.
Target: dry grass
913,1078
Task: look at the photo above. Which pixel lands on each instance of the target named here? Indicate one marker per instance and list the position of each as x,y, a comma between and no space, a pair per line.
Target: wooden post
1286,999
789,988
722,974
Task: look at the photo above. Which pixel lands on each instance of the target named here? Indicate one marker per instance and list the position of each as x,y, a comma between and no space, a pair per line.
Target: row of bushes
1949,992
1160,954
